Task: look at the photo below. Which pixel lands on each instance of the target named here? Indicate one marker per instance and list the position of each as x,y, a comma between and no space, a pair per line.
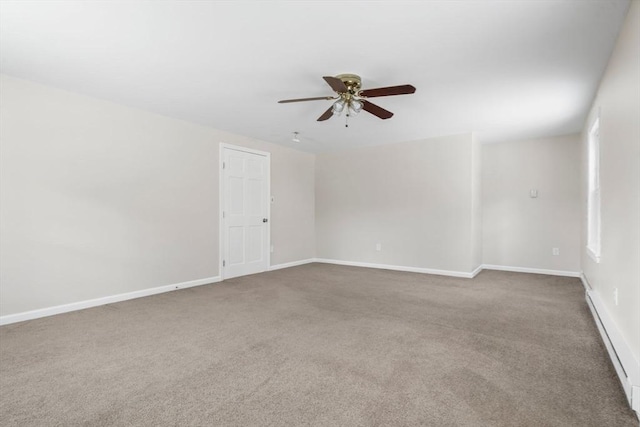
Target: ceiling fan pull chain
346,119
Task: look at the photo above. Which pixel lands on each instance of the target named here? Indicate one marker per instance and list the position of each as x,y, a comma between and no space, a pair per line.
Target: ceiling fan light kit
338,106
356,105
352,99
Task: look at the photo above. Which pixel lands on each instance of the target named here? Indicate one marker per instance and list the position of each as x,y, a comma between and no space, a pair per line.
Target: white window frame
593,193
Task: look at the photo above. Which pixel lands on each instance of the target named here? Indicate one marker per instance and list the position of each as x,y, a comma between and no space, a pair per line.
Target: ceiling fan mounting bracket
353,82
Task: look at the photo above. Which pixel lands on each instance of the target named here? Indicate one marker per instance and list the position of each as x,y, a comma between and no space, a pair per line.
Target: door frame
221,201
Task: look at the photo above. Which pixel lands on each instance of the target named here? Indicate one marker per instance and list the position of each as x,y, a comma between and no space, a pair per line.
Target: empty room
318,213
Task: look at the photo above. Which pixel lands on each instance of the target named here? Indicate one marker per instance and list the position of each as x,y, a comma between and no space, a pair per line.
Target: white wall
618,103
414,198
98,199
476,202
520,231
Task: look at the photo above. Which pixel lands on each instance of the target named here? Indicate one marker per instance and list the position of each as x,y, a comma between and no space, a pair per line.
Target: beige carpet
320,345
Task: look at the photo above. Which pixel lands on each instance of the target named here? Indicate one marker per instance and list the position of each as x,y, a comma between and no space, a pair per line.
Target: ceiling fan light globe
338,106
356,106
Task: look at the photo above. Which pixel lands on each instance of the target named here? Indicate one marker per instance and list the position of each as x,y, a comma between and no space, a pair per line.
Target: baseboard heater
630,384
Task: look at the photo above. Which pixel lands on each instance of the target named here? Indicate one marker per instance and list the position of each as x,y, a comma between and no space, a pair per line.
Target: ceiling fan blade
388,91
285,101
375,110
336,84
326,115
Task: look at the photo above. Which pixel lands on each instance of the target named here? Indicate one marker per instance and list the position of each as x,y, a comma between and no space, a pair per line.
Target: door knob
264,220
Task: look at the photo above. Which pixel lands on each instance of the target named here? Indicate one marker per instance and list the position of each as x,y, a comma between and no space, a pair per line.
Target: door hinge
224,165
224,263
223,214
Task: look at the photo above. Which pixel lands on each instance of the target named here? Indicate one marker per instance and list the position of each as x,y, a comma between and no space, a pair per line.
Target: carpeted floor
320,345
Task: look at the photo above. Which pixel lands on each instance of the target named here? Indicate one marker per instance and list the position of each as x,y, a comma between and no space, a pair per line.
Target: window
593,201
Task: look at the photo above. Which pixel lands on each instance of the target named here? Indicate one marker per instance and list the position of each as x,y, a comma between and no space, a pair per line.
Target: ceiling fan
352,99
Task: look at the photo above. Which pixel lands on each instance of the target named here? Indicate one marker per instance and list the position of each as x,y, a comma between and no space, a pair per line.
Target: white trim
631,365
268,246
585,283
622,376
80,305
475,272
291,264
594,195
244,149
221,230
626,365
594,256
221,235
451,273
398,268
531,270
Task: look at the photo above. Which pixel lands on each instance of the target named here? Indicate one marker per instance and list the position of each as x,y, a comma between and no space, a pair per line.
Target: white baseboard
80,305
452,273
531,270
291,264
401,268
624,362
475,272
585,283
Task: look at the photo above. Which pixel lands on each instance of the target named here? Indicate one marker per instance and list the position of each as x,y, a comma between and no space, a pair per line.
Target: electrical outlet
556,251
615,296
378,246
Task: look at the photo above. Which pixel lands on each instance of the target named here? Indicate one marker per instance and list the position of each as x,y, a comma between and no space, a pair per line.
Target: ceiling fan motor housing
353,82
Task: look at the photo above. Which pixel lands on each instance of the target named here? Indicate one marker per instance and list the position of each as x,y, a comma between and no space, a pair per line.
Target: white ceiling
504,69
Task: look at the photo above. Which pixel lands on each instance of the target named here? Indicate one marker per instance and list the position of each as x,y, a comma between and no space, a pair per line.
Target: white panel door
245,208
